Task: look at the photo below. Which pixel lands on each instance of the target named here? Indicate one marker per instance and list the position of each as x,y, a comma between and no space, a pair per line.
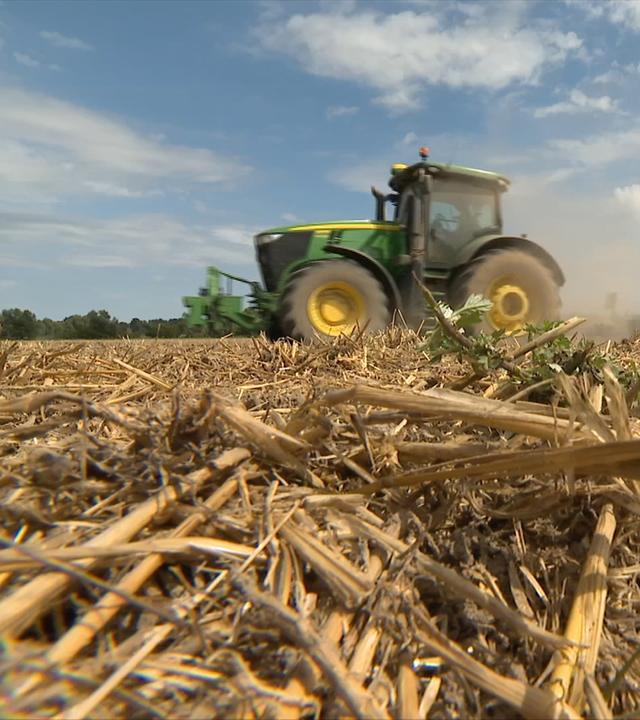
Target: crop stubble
239,528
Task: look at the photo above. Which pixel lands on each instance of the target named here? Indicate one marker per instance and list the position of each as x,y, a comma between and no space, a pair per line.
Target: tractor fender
375,268
486,244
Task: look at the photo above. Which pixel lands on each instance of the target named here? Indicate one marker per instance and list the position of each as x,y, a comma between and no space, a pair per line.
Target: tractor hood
333,225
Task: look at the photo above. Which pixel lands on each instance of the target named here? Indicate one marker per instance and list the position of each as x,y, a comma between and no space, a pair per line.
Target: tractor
444,228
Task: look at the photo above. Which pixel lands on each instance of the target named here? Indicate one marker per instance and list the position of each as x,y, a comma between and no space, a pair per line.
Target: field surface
224,528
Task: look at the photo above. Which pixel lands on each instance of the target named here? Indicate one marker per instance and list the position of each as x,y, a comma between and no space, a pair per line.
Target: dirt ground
252,529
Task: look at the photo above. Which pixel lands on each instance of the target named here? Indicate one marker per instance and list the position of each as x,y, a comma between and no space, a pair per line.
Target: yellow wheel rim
510,311
335,307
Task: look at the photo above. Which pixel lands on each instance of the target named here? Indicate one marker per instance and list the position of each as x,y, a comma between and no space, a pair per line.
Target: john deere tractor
445,228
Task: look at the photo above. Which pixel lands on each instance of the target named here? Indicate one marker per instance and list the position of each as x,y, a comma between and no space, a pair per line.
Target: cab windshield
459,210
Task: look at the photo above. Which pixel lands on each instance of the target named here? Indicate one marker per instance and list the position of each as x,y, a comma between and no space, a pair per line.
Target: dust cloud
596,241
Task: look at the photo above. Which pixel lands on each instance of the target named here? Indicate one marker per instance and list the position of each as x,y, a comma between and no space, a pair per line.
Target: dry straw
250,529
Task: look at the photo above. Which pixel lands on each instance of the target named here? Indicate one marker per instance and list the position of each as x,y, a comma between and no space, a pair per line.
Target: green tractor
327,279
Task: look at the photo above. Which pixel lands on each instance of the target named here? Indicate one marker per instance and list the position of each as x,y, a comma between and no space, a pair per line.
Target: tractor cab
443,209
455,205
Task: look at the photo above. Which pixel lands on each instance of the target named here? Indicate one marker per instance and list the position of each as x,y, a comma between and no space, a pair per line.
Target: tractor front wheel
333,297
519,285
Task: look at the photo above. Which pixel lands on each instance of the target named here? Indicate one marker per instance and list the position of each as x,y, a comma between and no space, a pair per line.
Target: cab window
461,210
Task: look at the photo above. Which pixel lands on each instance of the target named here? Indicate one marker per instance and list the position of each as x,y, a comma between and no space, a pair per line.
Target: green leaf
472,312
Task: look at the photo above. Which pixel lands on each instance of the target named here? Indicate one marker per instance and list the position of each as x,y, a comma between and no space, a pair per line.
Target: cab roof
407,175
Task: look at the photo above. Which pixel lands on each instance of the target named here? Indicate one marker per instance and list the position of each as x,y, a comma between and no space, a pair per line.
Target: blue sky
142,141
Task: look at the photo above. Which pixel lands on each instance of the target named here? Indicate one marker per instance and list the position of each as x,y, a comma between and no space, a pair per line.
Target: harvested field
224,528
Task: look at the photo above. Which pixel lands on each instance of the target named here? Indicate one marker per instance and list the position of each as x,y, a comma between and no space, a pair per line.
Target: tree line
17,324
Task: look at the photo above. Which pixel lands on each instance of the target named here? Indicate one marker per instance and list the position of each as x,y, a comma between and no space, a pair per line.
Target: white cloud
617,73
578,102
139,241
289,217
356,174
112,190
200,207
621,12
536,184
26,60
64,41
360,176
611,76
399,54
49,147
22,166
98,261
629,197
625,12
271,9
334,111
601,149
409,139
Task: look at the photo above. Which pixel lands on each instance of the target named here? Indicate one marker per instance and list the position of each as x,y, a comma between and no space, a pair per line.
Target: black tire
373,312
503,268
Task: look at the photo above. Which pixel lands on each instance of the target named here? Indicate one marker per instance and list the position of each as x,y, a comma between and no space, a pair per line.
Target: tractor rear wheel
519,285
333,297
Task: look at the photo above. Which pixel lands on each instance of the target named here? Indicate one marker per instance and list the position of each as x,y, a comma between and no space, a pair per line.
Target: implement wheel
334,297
520,286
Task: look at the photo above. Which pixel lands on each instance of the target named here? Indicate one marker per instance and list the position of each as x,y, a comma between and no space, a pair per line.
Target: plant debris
245,528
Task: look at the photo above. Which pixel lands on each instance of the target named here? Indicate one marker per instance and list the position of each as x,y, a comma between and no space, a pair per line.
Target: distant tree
49,329
100,325
72,327
16,324
174,328
137,328
95,325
